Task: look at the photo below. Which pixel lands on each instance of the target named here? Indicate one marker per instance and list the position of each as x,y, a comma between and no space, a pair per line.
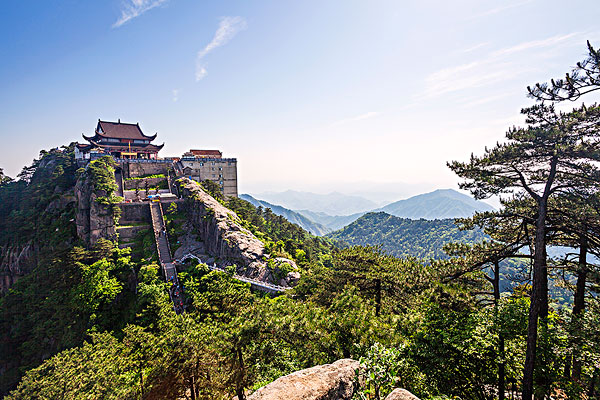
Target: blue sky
311,95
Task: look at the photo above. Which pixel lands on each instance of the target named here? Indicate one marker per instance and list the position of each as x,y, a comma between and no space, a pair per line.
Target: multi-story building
201,165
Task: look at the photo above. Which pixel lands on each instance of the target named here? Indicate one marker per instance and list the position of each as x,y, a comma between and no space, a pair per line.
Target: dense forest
97,322
403,237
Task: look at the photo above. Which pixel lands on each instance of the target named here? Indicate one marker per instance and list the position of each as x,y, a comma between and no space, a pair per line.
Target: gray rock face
16,261
94,220
224,237
401,394
323,382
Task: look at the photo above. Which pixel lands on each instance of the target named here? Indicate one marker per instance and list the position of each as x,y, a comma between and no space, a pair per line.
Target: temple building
120,140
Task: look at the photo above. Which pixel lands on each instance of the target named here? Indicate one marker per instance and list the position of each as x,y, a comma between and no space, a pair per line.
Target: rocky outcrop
94,219
15,262
224,238
401,394
324,382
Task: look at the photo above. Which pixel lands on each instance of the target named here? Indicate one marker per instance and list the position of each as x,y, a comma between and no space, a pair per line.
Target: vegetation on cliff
36,206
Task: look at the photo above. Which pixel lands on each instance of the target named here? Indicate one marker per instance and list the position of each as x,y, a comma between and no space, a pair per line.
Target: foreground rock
401,394
323,382
225,238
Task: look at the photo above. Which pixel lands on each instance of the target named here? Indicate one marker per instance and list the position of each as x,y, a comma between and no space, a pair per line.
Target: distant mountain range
403,237
332,204
439,204
293,217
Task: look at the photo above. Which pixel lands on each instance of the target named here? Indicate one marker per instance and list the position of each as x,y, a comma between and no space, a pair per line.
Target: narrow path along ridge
264,286
164,256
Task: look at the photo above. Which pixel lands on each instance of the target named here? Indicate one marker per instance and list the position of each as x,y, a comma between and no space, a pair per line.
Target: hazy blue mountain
442,203
292,216
331,222
403,237
333,203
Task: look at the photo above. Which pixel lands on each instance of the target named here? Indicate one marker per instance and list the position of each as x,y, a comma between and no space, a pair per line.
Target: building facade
206,164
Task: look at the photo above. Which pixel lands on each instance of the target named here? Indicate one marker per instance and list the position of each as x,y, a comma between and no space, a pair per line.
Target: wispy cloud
175,93
131,9
360,117
475,47
537,44
500,9
228,28
498,66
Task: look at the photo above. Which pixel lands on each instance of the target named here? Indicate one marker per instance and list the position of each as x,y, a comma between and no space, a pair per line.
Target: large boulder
224,237
324,382
401,394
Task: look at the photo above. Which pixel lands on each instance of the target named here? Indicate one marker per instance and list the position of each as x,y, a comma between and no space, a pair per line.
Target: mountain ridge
292,216
438,204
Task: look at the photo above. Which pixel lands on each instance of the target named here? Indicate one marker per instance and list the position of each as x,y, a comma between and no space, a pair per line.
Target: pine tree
554,153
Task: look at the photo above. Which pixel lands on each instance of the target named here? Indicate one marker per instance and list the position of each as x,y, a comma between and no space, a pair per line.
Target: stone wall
224,237
141,183
137,169
135,213
128,233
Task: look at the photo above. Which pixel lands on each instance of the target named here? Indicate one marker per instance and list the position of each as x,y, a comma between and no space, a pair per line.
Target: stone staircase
164,256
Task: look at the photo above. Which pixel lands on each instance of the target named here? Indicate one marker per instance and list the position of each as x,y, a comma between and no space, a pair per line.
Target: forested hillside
439,204
292,216
404,237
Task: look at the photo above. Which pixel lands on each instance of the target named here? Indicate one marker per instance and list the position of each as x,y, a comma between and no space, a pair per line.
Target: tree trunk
239,384
592,388
579,304
377,297
501,364
539,299
192,388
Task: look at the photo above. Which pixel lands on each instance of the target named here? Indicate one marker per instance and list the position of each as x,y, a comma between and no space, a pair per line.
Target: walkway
260,285
119,180
164,256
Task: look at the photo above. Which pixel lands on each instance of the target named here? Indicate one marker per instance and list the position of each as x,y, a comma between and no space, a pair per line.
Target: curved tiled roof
121,130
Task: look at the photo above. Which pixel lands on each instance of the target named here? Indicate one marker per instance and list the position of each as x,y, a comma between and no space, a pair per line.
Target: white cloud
175,93
475,47
536,44
131,9
499,9
497,66
228,28
360,117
